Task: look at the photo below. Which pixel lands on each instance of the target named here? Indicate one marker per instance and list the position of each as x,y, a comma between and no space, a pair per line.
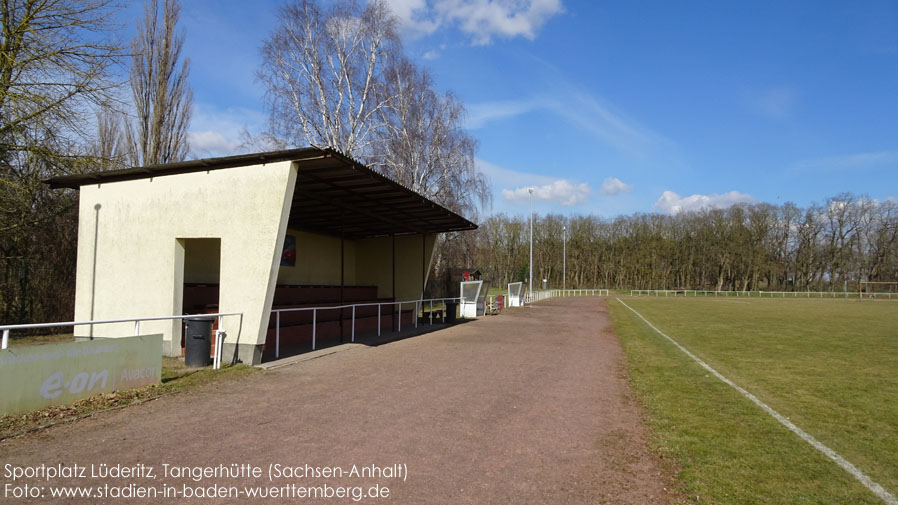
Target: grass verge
828,365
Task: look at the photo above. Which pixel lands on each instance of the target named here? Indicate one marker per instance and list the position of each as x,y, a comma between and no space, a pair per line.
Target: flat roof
334,194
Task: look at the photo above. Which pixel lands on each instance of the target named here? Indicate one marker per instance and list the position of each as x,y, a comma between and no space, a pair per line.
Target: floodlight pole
530,190
564,257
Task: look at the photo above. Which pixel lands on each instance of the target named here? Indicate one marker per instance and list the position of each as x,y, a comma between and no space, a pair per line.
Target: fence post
431,311
314,320
277,335
378,319
353,323
416,313
136,327
219,336
5,342
399,327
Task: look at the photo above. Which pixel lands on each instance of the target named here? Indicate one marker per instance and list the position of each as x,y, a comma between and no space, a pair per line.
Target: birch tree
422,141
323,68
336,77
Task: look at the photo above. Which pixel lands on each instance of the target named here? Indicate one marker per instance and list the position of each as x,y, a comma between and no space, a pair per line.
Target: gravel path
532,406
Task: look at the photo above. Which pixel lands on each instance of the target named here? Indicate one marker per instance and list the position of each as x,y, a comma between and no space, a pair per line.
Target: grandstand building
247,234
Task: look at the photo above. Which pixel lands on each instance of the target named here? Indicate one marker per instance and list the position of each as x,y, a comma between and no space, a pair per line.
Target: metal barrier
492,304
220,334
761,294
419,305
581,292
545,294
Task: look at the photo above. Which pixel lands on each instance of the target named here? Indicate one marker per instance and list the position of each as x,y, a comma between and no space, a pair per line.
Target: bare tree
55,58
336,77
323,68
163,100
111,149
54,64
423,144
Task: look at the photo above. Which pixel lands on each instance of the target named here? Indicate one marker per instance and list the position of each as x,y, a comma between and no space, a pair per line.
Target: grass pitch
830,366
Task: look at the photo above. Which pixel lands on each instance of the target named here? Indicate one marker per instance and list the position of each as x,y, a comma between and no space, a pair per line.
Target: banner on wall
288,257
38,376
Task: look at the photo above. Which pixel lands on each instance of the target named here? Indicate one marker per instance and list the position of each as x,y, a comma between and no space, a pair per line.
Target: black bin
198,342
450,311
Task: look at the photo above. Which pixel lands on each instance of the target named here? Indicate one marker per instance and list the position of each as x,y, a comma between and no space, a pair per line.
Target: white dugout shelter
209,236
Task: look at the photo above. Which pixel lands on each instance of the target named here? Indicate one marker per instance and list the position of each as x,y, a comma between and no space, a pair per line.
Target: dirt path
528,407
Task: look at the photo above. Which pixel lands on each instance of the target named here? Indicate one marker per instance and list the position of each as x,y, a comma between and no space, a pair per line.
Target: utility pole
530,190
564,256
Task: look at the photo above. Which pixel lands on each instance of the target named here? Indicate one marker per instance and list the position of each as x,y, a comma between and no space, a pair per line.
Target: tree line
831,246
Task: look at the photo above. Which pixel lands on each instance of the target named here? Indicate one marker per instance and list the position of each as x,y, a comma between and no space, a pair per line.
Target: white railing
581,292
761,294
536,296
545,294
419,305
492,304
220,335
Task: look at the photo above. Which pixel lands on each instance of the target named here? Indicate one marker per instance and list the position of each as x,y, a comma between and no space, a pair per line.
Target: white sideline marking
855,472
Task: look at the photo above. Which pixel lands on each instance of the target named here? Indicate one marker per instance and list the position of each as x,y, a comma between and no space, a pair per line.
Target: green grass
57,338
827,365
498,290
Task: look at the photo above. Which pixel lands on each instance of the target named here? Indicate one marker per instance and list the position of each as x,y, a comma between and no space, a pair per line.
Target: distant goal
515,294
878,289
472,296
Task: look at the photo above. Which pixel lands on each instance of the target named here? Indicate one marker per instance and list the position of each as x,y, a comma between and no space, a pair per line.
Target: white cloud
851,161
217,132
479,114
559,191
208,143
499,174
481,19
672,203
583,110
431,55
415,16
613,186
606,124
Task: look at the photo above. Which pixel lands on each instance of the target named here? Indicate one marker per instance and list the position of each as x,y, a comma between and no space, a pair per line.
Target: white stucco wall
318,260
131,261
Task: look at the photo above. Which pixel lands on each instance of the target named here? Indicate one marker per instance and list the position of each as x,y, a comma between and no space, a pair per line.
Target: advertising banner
38,376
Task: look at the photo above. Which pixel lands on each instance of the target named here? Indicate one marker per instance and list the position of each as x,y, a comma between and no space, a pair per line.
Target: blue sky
620,107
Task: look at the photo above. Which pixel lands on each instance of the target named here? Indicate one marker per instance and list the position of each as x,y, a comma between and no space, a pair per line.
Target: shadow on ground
370,339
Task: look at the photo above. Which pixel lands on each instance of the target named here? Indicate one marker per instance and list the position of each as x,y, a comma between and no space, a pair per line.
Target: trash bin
451,306
198,342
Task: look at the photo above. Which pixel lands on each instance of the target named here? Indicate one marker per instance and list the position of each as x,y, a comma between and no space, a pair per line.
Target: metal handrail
418,303
220,334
